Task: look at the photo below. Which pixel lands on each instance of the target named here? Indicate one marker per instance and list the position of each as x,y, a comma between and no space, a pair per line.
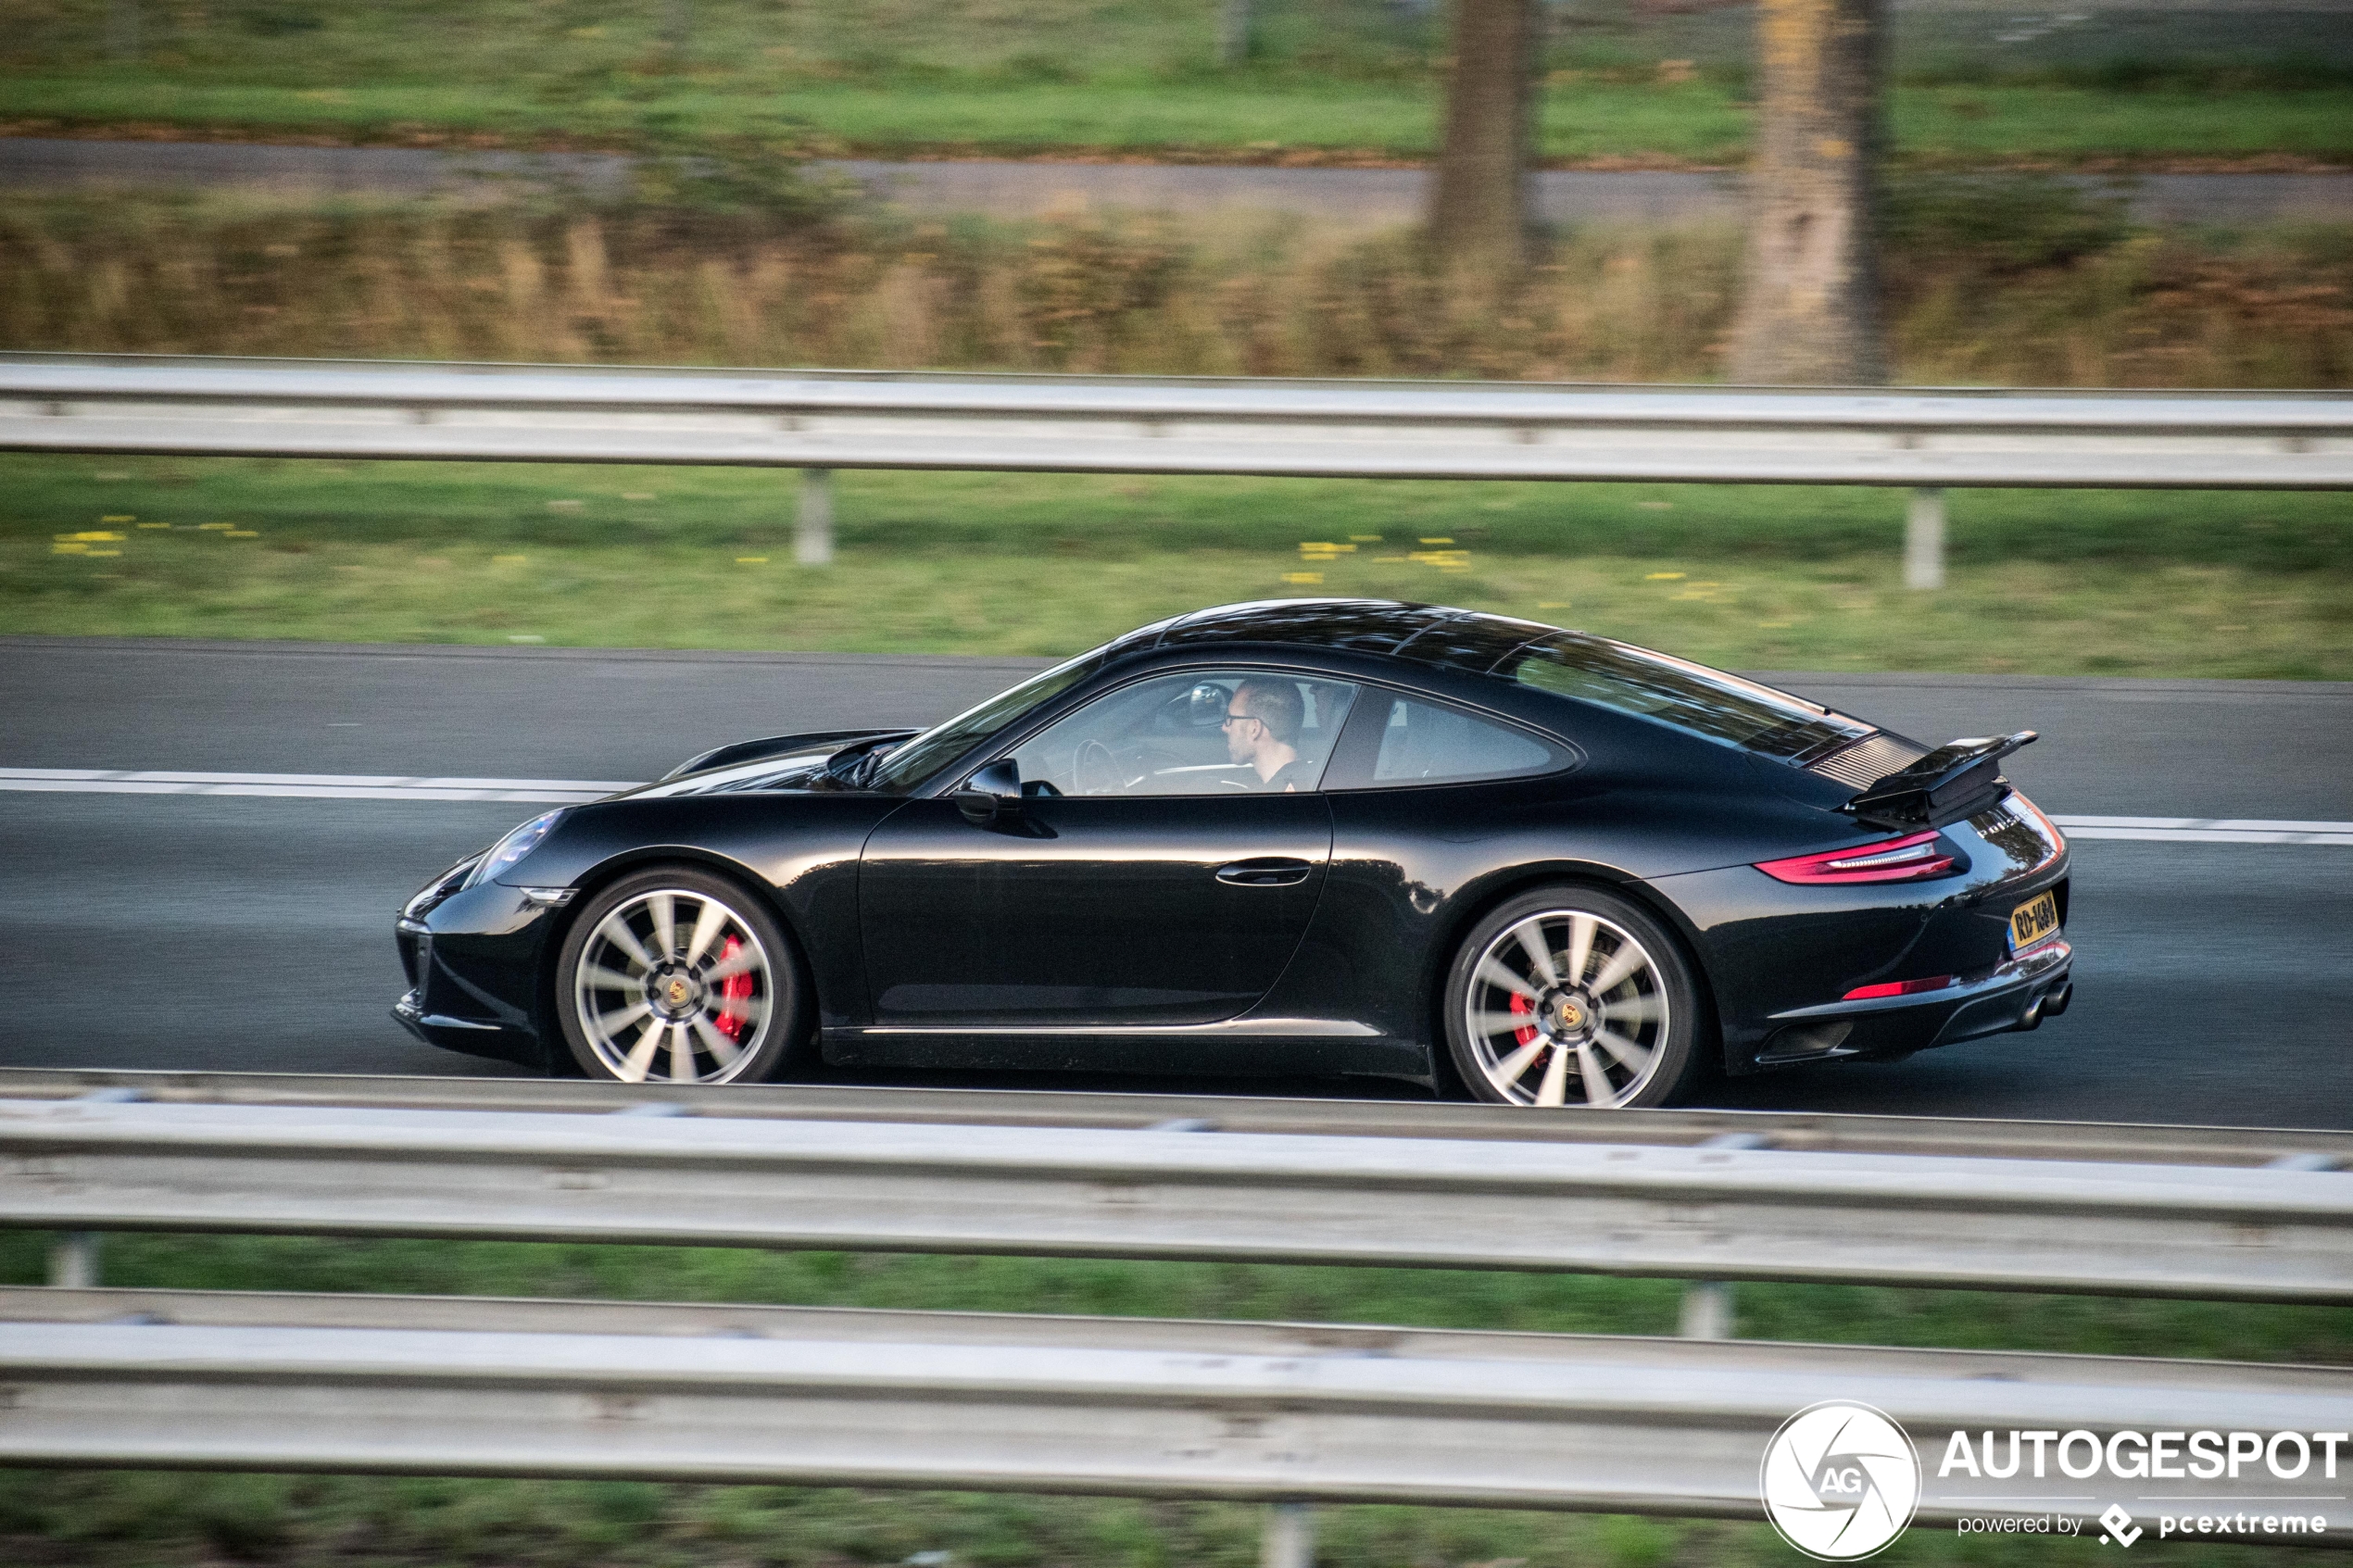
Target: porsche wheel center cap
1567,1015
675,991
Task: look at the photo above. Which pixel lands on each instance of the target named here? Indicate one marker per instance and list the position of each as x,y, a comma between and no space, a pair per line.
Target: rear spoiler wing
1948,782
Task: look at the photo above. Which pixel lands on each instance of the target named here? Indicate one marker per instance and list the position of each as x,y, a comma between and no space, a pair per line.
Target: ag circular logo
1840,1480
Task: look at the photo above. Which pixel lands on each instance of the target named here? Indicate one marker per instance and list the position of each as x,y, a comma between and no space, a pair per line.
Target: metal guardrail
1804,1132
1132,1407
822,421
2276,1233
1282,1412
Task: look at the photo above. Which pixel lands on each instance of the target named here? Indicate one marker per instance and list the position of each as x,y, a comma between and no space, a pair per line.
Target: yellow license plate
2033,920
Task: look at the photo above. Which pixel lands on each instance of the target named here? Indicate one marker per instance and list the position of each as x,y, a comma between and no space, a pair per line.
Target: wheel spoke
1633,1058
1633,1009
707,924
597,977
1628,958
744,963
1494,1024
1539,956
616,930
682,1055
1581,948
723,1050
1554,1087
751,1010
1504,1074
612,1023
1597,1089
664,910
641,1056
1494,973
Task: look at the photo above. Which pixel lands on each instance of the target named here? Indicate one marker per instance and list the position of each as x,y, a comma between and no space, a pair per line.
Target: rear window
1691,698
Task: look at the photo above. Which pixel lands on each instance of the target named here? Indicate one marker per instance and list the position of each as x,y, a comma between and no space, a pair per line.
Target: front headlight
510,850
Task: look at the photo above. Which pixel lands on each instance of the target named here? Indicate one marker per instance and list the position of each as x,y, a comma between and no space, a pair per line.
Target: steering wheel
1095,771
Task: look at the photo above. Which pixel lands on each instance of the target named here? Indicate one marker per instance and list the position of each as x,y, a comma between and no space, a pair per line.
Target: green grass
2115,582
1627,82
1500,1301
1698,122
150,1520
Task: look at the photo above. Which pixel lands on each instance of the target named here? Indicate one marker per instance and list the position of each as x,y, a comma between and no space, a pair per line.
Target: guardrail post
1707,1303
73,1260
1707,1311
1290,1541
1924,539
813,542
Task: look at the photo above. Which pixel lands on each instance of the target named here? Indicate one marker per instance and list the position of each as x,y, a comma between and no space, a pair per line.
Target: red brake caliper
1519,1004
737,988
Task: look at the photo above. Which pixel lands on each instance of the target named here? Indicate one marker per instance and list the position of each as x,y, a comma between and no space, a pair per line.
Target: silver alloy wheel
673,980
1567,1002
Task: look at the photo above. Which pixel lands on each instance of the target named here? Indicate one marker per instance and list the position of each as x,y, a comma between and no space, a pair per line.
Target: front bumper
2018,993
474,961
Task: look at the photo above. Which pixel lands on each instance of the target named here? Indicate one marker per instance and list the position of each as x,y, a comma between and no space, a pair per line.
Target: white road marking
2205,830
561,792
308,786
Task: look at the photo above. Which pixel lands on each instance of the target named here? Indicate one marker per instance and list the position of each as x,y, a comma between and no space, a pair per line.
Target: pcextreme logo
1840,1480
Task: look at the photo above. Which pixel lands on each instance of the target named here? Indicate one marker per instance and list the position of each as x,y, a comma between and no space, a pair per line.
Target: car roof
1425,633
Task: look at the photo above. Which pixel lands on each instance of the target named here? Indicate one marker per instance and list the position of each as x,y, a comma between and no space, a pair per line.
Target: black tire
734,1006
1639,1032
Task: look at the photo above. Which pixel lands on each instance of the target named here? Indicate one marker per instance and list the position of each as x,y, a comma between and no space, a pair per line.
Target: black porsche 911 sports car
1298,836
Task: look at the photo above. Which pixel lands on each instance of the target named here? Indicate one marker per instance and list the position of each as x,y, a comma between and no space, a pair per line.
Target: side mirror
992,796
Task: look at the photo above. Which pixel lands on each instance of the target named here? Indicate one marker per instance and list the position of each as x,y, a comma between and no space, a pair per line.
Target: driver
1262,728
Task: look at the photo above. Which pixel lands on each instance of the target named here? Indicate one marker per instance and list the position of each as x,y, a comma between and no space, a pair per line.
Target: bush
1999,222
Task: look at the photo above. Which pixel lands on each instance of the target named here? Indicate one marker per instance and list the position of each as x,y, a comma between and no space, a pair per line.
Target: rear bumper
2015,993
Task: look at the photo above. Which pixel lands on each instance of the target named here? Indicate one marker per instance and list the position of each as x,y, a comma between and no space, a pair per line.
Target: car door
1152,879
1426,796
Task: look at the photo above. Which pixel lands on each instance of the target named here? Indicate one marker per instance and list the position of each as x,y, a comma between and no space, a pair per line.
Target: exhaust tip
2057,1002
2032,1017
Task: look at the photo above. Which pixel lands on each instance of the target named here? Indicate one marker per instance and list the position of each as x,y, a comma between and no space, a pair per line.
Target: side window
1219,732
1428,743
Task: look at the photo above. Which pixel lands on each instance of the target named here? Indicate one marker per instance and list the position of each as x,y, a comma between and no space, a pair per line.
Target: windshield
1692,697
903,768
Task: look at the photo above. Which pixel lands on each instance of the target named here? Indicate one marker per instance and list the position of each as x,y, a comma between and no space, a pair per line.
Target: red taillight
1898,988
1891,860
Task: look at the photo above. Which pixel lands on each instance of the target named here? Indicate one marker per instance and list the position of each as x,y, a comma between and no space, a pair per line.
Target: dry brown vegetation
1985,289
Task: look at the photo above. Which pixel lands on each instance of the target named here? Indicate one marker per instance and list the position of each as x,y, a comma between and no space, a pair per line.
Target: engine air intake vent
1869,760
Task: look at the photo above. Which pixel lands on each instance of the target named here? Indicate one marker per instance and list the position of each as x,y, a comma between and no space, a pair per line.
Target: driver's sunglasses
1232,718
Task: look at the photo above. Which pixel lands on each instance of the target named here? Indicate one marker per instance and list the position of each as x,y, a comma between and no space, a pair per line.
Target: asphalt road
210,932
1017,189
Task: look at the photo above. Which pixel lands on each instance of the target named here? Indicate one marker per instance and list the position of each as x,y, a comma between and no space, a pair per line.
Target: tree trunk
1810,309
1478,202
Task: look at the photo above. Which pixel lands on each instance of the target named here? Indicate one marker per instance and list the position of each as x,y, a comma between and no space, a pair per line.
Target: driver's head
1261,714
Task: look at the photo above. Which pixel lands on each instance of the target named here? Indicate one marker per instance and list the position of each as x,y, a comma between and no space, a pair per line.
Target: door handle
1274,870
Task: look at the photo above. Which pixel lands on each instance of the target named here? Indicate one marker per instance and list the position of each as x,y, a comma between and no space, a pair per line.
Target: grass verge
2047,581
1592,123
1334,79
2016,280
